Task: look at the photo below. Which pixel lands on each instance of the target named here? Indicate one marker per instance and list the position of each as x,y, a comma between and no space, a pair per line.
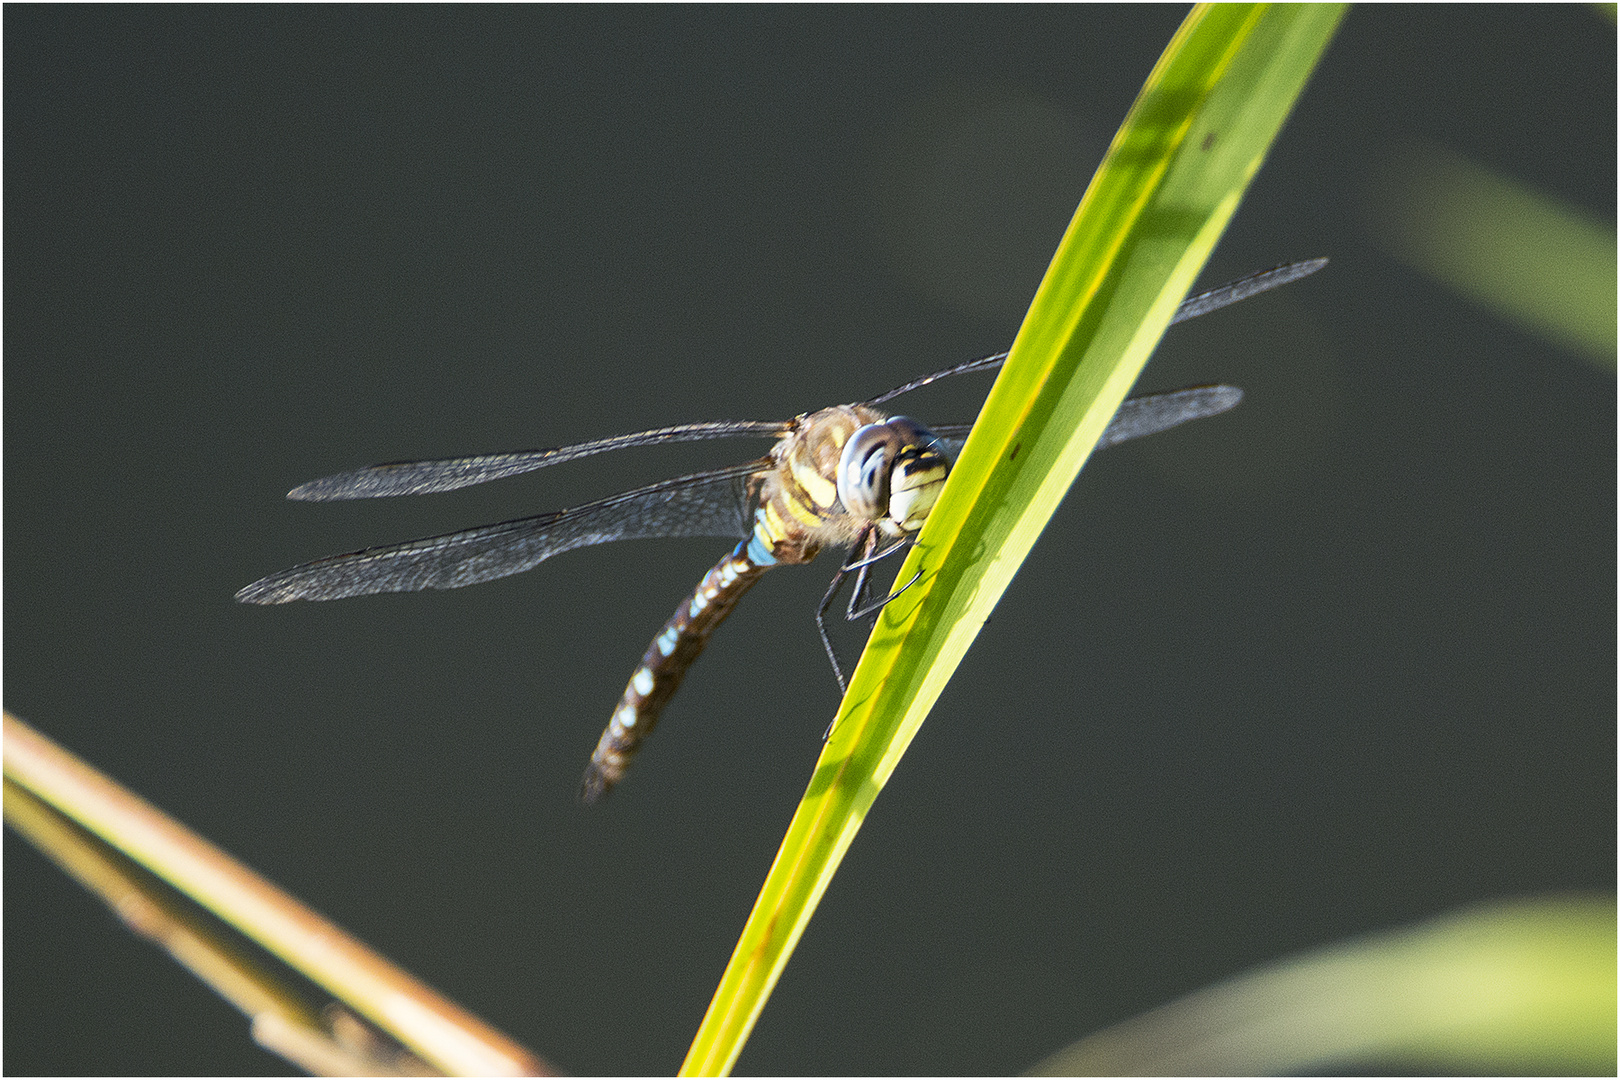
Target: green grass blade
1525,986
1161,199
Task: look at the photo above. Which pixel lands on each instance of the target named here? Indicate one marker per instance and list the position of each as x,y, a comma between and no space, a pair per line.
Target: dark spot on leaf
1209,141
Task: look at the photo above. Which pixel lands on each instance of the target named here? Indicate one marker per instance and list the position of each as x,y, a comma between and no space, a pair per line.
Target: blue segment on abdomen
754,548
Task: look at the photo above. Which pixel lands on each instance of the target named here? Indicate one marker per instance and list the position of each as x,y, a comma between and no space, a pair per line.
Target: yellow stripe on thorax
771,527
823,494
810,516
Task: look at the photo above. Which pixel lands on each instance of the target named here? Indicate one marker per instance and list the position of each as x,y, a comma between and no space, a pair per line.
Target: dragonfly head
892,473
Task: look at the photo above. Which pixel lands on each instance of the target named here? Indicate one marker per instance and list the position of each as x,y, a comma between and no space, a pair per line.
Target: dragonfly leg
821,628
858,609
898,545
858,606
878,605
861,592
866,540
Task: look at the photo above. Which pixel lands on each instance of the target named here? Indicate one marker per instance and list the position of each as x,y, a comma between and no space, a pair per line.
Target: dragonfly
850,477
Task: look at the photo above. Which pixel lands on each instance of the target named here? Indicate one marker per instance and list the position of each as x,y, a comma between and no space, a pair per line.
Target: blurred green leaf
1548,267
1521,986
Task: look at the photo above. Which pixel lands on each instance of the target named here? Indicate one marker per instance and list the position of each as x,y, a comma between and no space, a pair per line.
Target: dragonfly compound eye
863,471
892,471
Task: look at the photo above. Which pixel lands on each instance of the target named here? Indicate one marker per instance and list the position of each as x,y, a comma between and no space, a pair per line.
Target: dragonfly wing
1138,416
448,474
1153,413
717,503
987,363
1243,288
1190,308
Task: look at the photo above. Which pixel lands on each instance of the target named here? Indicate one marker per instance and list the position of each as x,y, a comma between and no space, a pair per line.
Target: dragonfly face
892,474
842,477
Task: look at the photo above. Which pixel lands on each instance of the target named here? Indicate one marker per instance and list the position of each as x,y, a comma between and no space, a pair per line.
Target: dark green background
1338,661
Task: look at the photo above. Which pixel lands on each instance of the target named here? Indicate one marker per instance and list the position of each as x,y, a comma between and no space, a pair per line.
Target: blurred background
1338,661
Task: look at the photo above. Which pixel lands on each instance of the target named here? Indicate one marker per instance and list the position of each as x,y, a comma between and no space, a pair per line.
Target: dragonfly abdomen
797,512
664,665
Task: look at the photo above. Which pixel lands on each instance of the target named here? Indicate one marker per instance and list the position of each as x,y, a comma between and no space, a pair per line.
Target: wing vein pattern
716,503
447,474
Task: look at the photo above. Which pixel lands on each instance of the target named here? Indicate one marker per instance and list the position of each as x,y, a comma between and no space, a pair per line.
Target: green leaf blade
1150,218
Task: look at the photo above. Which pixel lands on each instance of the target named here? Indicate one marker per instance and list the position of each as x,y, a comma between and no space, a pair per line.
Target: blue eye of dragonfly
863,471
844,477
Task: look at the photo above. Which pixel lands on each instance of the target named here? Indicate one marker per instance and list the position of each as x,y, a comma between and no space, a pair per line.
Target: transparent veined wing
447,474
1138,416
1190,308
716,503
